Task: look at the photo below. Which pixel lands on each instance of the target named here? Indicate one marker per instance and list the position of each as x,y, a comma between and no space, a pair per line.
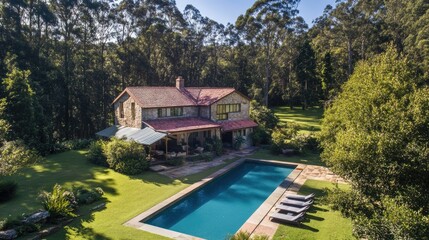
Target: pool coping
251,223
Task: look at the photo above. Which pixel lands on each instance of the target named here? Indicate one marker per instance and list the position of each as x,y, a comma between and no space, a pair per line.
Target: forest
62,62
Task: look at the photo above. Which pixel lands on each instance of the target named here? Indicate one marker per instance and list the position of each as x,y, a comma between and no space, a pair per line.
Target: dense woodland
62,62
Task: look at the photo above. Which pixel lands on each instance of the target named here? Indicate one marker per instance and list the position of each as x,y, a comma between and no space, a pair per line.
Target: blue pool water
222,206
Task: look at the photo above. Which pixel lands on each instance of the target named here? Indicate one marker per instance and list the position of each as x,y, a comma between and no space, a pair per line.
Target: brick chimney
180,83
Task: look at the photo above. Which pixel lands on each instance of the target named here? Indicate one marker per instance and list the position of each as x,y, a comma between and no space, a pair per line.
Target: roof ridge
212,87
187,94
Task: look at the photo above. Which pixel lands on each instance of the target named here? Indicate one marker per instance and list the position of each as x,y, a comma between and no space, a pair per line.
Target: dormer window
170,112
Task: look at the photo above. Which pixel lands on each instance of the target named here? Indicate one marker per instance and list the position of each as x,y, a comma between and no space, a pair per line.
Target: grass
309,119
126,196
304,158
321,222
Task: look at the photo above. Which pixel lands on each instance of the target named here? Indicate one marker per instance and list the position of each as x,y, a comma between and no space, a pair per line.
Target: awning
237,124
145,136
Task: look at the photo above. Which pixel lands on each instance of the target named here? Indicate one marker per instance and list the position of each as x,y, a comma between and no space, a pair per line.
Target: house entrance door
227,137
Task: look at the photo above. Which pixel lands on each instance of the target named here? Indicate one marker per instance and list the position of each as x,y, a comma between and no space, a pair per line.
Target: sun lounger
297,203
300,197
292,209
287,217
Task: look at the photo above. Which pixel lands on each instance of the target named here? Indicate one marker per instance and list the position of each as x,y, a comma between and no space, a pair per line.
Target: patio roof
238,124
145,136
181,124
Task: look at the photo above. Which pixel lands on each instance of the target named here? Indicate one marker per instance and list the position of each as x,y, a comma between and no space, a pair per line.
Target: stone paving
189,168
266,226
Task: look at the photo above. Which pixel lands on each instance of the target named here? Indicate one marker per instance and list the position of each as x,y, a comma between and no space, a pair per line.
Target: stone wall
205,112
247,139
127,119
230,99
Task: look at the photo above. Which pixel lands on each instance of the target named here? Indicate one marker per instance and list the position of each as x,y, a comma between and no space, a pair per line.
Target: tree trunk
350,57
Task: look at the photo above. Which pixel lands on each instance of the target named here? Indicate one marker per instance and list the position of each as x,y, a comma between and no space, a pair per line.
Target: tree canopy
375,134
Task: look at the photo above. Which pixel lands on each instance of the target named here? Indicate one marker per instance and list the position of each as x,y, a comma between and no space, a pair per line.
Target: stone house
181,115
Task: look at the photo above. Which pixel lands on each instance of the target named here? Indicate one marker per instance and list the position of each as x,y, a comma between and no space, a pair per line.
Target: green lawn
321,222
309,119
126,196
304,158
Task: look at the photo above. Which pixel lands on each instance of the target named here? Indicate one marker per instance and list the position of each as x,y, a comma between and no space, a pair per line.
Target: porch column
166,147
186,141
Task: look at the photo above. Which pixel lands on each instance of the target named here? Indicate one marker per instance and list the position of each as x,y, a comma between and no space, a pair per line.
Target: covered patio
187,132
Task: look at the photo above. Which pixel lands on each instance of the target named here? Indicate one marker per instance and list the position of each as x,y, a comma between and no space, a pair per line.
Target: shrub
312,143
58,147
238,141
7,190
14,155
88,196
20,226
260,136
7,223
278,141
263,116
217,146
208,147
243,235
207,156
96,154
59,202
175,161
126,157
287,137
76,144
24,228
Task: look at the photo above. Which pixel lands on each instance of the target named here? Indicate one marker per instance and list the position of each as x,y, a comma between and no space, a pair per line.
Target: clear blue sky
224,11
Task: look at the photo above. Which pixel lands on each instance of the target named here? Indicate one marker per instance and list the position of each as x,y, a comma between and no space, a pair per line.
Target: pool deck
259,222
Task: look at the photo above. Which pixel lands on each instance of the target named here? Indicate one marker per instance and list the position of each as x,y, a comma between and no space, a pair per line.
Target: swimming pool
221,206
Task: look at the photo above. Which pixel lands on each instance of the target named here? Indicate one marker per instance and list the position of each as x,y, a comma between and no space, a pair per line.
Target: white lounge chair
292,209
288,217
297,203
300,197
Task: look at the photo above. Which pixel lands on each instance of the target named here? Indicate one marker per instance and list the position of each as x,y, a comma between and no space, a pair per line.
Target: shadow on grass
304,158
77,225
153,178
301,225
67,169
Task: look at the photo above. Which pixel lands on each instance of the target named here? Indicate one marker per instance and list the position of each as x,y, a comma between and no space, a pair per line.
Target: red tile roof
155,97
181,124
207,96
238,124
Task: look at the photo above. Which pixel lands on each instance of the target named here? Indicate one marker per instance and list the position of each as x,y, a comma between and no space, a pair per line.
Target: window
133,111
178,111
170,112
222,116
121,110
222,110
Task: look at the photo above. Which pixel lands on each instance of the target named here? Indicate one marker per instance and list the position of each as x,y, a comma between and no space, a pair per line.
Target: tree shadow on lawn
153,178
77,228
301,225
68,169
